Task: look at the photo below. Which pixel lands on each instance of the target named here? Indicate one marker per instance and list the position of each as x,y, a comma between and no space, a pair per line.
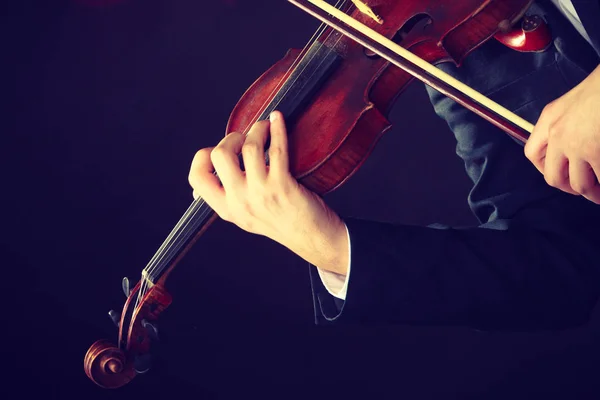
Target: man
534,261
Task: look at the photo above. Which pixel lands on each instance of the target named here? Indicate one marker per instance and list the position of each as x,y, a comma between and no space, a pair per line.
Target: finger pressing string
278,150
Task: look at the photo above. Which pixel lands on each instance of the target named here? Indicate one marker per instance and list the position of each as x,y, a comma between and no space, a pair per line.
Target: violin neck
190,227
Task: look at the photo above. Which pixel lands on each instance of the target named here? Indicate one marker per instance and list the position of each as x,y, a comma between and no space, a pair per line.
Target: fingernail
273,116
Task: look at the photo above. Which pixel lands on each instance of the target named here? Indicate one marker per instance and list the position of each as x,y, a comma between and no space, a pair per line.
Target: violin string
195,219
290,70
167,246
319,30
156,261
186,220
291,85
329,51
147,269
183,235
186,232
154,264
143,280
195,206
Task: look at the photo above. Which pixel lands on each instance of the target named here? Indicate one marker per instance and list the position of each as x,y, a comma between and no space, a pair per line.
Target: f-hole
418,23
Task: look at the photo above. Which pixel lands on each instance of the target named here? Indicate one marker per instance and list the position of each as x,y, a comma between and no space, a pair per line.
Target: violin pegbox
111,366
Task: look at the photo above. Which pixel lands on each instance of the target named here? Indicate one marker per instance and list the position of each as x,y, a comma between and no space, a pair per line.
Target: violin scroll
107,365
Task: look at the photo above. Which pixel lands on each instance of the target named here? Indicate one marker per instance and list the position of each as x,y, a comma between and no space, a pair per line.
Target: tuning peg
142,363
151,328
126,287
115,317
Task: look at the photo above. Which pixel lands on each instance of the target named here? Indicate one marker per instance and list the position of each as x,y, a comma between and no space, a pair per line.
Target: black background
105,104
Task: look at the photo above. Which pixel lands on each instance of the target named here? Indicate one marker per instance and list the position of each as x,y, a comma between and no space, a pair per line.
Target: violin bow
512,124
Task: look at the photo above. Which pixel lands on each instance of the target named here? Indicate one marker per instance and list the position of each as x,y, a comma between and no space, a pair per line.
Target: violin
335,94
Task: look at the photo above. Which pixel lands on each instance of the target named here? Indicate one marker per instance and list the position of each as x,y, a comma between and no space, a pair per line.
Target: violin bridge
365,9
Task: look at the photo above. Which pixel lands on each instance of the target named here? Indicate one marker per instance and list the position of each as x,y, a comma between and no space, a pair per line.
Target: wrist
319,236
327,247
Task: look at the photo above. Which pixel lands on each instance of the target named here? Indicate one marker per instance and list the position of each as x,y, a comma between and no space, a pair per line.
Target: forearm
518,278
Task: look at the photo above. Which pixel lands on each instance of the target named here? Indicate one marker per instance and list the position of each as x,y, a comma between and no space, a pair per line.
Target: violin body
338,126
335,96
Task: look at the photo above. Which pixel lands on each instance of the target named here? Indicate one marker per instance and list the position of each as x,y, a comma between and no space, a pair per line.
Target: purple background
104,108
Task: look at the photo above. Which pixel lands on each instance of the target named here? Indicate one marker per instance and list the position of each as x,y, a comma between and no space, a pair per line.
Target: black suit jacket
534,263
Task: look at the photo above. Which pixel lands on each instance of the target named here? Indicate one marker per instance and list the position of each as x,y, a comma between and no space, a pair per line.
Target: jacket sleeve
504,275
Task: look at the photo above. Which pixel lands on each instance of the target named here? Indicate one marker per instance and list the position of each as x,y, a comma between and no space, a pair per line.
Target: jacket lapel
589,14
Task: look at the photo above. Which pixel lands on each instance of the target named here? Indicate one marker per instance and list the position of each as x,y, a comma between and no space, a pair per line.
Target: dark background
105,104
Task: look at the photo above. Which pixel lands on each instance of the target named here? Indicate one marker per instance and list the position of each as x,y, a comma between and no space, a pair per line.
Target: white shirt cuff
337,284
